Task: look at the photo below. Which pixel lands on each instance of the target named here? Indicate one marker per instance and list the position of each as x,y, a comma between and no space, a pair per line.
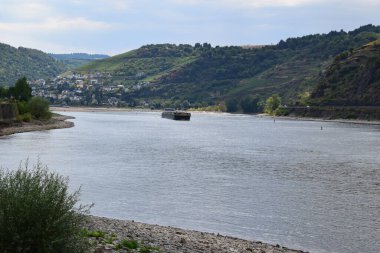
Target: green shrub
39,108
149,249
97,234
27,117
130,244
272,103
22,107
38,214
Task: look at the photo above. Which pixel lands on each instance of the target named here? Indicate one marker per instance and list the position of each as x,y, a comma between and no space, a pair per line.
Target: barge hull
175,115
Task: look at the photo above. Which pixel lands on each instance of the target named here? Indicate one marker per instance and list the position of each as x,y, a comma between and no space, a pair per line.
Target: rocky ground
56,122
129,236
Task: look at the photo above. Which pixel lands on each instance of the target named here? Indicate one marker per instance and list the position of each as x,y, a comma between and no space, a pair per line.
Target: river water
285,182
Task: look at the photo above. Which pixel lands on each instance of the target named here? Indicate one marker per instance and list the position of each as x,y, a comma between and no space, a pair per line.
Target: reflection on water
286,182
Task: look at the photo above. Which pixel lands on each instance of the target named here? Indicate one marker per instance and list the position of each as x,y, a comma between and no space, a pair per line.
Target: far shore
347,121
97,109
263,115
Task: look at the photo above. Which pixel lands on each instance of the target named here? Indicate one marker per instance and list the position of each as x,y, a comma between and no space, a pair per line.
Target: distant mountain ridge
16,63
75,60
211,75
325,69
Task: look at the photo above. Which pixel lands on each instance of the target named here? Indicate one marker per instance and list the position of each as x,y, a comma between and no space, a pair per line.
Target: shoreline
56,122
262,115
98,109
176,240
344,121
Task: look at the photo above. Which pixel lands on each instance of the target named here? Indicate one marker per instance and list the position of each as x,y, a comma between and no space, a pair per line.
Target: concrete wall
8,112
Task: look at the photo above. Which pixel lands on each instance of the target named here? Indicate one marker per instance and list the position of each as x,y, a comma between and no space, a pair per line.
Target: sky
117,26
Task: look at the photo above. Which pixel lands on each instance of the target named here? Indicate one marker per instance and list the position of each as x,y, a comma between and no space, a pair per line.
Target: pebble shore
176,240
56,122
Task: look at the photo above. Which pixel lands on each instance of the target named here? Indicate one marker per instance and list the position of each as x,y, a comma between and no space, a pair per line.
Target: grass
130,244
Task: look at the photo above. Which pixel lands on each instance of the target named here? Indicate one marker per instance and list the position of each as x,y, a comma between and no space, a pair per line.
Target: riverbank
347,121
175,240
97,109
114,109
56,122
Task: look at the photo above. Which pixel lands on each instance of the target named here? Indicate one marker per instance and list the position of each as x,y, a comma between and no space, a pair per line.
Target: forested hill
33,64
353,79
211,75
76,60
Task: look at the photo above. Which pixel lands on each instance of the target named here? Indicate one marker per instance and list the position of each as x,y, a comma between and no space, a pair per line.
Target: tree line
29,107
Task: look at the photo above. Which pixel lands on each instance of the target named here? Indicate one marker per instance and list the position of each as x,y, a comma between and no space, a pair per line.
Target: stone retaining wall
8,112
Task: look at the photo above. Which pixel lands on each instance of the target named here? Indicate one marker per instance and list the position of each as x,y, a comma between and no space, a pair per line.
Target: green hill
147,63
207,75
76,60
353,79
33,64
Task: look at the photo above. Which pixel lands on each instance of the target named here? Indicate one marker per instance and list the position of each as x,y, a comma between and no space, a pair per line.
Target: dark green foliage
26,117
3,92
18,62
250,105
353,79
22,107
232,105
203,73
39,108
21,91
38,214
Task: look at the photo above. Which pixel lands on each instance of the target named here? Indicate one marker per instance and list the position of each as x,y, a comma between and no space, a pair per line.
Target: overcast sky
117,26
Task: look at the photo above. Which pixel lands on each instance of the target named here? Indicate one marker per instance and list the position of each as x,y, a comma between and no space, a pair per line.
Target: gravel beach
56,122
175,240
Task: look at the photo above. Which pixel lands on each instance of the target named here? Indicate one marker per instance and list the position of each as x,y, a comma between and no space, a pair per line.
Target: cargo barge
176,114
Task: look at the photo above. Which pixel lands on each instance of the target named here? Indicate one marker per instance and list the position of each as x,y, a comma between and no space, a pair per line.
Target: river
285,182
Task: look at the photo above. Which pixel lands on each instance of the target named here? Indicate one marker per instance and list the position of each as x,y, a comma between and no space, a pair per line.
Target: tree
21,91
39,214
39,108
185,105
250,105
272,103
3,92
232,105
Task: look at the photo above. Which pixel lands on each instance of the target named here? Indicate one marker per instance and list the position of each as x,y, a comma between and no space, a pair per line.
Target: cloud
274,3
119,24
56,25
103,5
29,10
248,3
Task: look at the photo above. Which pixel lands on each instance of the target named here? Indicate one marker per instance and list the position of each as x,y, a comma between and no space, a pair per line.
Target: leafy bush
27,117
97,234
39,108
272,103
232,105
130,244
149,249
22,107
38,214
21,91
